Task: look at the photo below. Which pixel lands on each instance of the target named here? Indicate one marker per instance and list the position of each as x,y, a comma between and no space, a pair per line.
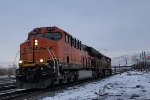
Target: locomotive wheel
75,78
60,81
68,80
76,75
107,72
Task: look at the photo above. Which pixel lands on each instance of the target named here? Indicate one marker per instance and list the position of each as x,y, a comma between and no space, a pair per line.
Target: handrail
54,59
51,56
54,56
14,62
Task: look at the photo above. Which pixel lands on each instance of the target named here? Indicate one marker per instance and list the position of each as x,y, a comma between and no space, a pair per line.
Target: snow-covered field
129,85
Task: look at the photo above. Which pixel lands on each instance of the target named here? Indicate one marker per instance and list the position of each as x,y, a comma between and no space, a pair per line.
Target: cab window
39,35
31,36
35,35
53,36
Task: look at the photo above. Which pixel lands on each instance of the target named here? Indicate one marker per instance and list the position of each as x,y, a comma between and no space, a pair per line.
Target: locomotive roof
39,29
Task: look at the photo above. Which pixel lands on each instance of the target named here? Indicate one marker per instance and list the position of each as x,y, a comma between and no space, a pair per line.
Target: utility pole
140,62
144,60
137,63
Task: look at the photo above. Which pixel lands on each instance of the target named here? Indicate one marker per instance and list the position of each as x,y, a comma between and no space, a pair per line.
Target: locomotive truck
52,56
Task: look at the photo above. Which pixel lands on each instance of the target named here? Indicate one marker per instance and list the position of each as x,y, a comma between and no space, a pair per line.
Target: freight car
52,56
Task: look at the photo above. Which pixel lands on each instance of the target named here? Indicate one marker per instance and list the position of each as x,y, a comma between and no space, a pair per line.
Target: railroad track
16,94
30,94
7,83
7,80
7,87
12,93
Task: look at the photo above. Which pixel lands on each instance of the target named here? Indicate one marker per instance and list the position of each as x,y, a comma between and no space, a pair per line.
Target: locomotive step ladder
56,69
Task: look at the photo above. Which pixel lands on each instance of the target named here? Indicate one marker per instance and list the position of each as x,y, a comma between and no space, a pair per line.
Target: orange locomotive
52,56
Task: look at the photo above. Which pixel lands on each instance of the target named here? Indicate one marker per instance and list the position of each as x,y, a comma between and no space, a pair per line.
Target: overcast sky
119,26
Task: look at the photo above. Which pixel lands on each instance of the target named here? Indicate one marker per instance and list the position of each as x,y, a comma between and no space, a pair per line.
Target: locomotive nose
40,52
32,52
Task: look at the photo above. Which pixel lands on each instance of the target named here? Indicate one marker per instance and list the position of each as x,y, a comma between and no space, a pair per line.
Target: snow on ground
7,79
129,85
7,76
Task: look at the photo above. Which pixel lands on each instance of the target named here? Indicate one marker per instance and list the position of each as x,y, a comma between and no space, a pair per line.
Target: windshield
35,35
52,36
31,36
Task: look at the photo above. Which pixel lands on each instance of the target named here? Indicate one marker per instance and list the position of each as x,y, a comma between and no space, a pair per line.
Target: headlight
20,61
41,60
36,42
